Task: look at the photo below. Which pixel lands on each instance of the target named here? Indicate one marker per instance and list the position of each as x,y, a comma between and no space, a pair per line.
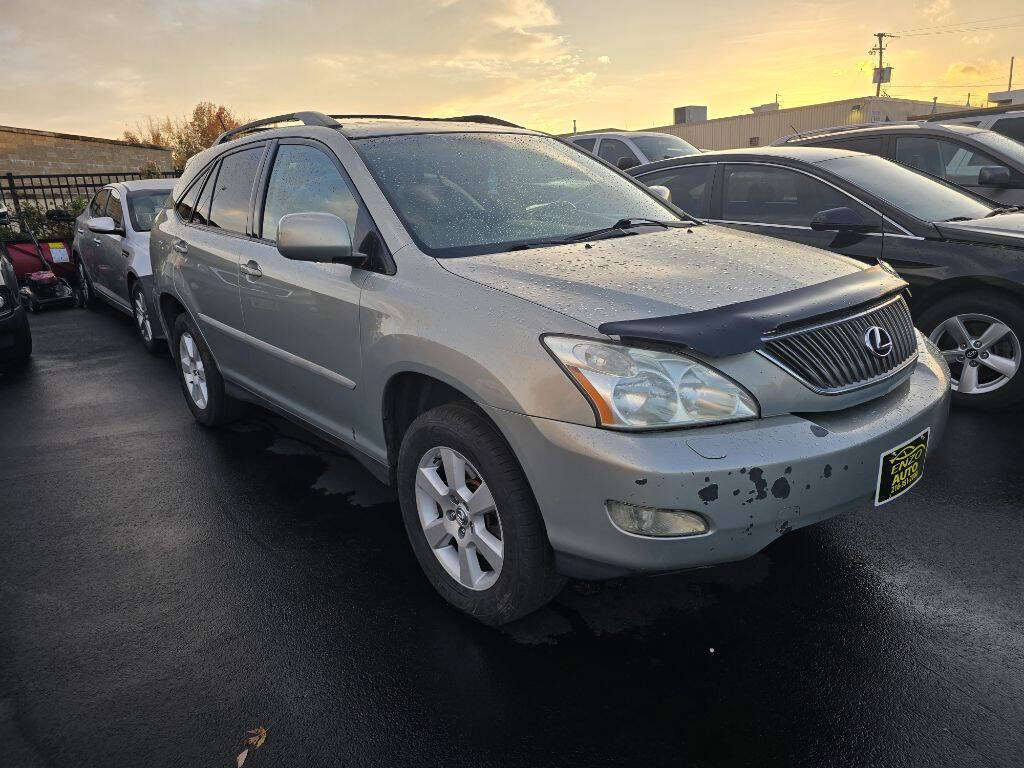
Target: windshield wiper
1008,209
619,229
957,218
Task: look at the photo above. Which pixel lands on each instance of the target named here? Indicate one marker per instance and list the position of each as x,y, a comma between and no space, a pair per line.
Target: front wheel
143,320
471,517
87,296
980,336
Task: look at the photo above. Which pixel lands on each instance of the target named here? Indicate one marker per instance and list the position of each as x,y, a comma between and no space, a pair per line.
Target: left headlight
634,388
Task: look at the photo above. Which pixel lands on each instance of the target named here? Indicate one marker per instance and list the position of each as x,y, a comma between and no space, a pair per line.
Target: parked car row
562,373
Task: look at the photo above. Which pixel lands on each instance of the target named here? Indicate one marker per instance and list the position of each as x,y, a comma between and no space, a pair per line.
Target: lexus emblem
878,340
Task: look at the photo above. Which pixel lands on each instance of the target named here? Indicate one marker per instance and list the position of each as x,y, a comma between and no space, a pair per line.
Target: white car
111,251
1009,124
624,149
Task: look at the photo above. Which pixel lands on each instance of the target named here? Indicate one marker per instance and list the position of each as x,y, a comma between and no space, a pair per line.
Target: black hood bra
737,328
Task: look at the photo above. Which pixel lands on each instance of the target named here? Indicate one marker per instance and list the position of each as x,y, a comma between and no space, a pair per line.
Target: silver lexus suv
561,373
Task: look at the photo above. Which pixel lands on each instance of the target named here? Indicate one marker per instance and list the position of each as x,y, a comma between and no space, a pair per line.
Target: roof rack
307,118
977,112
836,129
485,119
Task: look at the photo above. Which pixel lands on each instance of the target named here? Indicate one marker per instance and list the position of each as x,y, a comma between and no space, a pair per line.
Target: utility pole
879,49
574,127
1010,86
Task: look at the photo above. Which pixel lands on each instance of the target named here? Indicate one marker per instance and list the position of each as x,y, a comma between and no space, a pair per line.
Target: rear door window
613,150
771,195
232,192
690,185
305,180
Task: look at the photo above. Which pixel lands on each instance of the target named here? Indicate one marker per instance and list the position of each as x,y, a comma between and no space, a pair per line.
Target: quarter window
871,145
1011,127
232,192
202,210
587,144
689,185
114,209
187,203
770,195
305,180
614,150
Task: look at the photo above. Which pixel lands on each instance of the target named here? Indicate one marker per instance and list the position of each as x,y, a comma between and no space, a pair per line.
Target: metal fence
57,190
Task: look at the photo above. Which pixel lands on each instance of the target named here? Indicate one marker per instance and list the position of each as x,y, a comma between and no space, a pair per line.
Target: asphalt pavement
165,588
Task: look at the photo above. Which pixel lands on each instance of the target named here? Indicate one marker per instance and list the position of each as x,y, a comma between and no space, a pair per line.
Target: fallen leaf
241,757
257,737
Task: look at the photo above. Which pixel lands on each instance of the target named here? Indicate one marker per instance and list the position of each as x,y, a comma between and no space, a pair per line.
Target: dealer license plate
900,468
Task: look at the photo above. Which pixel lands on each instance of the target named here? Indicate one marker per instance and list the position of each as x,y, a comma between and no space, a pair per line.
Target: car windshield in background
1006,146
144,205
461,194
664,147
921,196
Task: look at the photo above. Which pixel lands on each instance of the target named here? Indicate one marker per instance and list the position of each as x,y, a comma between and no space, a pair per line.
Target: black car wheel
22,348
144,321
87,296
980,335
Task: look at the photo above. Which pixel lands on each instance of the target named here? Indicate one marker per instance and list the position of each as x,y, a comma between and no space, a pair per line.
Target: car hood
1005,229
653,274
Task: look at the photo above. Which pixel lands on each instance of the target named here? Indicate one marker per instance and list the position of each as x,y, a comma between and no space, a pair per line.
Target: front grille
833,356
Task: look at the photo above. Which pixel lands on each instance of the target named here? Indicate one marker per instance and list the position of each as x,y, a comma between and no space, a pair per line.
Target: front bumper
753,481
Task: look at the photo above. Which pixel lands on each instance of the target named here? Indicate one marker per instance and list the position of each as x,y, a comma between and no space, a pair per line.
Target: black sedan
963,255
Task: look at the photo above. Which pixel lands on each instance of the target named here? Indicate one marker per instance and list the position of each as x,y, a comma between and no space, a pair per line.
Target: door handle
79,230
180,246
97,241
251,269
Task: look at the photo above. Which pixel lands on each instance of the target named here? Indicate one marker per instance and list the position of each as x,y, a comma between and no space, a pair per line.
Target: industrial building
768,122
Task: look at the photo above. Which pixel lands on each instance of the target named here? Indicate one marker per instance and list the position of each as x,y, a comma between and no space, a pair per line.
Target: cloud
939,10
604,59
985,39
963,72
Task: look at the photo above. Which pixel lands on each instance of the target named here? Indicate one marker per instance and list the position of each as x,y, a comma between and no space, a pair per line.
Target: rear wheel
200,378
980,335
471,517
144,322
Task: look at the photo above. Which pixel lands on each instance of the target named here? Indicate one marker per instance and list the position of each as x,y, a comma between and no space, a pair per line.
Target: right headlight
635,388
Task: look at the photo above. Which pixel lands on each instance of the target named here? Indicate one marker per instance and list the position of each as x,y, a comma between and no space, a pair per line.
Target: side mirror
663,192
841,220
626,162
103,225
994,176
319,237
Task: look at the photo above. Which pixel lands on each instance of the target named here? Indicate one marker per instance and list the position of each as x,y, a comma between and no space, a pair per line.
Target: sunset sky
97,67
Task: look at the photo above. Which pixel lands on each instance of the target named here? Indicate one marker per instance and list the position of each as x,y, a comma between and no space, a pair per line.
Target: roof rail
977,112
486,119
836,129
307,118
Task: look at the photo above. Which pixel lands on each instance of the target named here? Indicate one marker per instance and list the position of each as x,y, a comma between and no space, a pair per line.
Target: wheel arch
922,299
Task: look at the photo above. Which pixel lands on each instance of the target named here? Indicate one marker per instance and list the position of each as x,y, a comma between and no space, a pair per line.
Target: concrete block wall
23,151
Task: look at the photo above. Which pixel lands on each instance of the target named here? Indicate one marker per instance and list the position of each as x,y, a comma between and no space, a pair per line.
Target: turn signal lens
650,521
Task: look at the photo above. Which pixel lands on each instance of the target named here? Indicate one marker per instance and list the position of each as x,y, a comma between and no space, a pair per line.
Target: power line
960,23
963,30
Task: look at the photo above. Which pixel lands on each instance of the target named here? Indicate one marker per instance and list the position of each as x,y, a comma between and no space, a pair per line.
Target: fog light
650,521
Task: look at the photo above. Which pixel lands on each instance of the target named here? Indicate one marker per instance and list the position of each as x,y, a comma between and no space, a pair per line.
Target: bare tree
185,136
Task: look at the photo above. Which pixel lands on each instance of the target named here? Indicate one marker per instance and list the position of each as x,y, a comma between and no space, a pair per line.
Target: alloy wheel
459,518
192,370
142,317
83,284
983,352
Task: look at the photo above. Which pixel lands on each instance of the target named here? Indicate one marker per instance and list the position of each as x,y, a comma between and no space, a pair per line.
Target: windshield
461,194
144,205
1009,148
923,197
663,147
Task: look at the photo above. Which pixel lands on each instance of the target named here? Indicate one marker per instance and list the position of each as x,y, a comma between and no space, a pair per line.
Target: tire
22,349
145,324
525,579
88,299
978,310
202,385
